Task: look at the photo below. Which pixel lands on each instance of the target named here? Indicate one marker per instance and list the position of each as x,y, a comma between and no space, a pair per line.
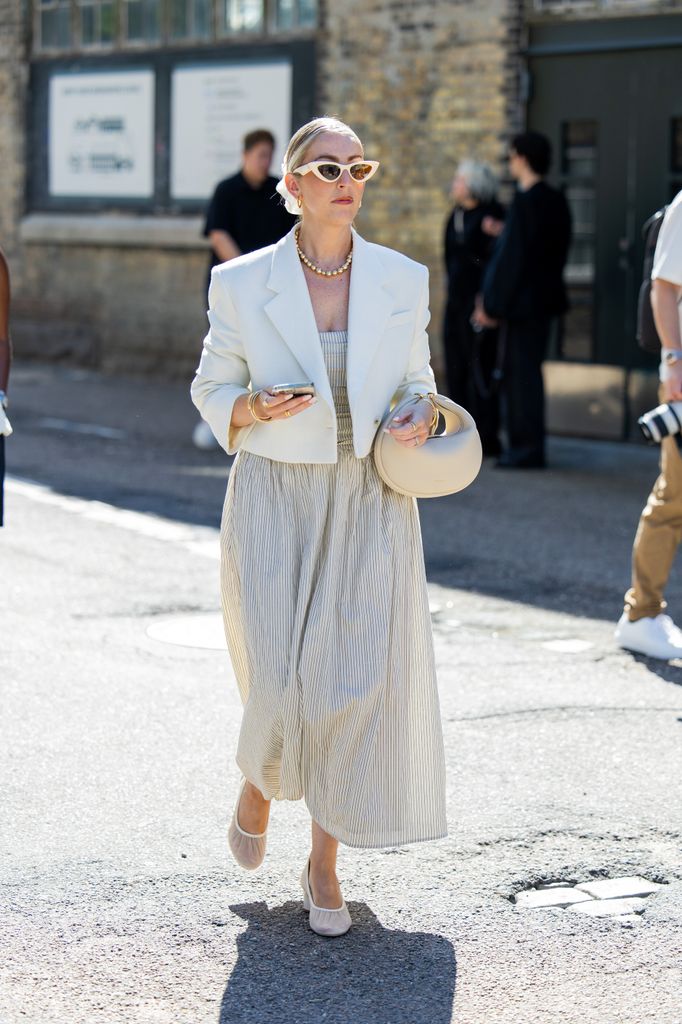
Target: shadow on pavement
373,975
666,670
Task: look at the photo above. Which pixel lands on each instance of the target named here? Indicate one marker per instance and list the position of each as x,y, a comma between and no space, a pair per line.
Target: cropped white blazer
263,332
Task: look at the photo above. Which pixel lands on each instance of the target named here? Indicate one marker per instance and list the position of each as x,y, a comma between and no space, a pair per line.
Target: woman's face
329,202
460,190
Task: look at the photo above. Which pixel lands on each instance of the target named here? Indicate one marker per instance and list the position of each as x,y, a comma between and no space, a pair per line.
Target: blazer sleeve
223,373
419,378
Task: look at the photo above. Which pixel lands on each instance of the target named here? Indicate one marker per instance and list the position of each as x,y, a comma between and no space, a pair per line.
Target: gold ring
414,427
416,441
287,413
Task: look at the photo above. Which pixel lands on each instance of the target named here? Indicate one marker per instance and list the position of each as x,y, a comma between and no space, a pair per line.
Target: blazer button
377,422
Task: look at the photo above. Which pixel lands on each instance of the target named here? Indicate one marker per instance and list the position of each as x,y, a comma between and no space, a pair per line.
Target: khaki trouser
658,536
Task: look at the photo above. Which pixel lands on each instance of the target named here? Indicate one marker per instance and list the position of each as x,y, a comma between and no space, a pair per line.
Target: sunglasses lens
329,172
361,171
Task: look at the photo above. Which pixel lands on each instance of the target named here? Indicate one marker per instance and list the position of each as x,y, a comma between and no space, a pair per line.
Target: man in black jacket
523,286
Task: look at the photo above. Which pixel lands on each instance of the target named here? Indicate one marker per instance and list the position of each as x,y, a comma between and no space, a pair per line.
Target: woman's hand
280,407
479,317
412,428
267,405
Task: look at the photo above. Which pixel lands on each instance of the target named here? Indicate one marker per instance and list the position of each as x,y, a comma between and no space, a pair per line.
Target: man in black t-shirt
245,213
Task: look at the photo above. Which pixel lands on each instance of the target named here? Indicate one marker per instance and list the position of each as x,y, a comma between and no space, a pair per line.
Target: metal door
615,122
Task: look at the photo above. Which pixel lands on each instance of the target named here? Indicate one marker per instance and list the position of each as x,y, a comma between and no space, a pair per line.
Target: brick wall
425,84
13,78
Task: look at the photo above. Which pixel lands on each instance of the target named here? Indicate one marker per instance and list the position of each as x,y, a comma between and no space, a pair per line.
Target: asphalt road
119,900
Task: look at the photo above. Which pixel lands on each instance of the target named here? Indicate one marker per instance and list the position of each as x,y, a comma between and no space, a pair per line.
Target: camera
664,421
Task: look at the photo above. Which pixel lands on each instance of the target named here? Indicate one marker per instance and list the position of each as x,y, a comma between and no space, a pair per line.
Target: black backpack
647,335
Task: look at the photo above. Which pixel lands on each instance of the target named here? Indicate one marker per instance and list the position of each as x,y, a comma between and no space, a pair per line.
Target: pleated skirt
327,623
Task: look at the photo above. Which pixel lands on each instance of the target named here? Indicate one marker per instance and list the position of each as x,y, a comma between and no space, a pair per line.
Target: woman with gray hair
323,585
470,233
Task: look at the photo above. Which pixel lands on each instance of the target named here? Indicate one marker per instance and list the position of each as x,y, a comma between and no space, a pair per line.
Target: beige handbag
444,464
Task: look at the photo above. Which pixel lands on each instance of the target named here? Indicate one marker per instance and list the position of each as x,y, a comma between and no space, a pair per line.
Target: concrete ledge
110,231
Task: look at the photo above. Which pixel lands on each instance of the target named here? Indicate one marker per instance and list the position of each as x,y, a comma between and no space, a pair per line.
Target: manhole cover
204,630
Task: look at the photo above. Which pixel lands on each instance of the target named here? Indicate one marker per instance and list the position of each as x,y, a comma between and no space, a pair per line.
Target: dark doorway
615,121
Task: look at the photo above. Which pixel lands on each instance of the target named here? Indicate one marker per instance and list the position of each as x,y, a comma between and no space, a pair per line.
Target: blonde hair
305,136
300,143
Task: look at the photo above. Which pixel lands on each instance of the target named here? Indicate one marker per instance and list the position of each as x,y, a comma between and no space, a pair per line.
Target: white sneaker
203,438
657,638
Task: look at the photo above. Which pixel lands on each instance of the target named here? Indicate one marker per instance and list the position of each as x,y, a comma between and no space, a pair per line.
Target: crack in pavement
524,712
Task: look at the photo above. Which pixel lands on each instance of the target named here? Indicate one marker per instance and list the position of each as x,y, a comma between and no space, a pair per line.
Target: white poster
212,108
101,134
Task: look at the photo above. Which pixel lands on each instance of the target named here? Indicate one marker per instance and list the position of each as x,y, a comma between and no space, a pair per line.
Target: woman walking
323,584
471,231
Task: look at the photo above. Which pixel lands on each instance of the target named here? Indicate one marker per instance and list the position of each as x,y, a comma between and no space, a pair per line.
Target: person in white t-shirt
643,626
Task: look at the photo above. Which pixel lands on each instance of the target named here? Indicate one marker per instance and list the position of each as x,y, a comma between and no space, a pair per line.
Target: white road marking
204,630
90,429
200,540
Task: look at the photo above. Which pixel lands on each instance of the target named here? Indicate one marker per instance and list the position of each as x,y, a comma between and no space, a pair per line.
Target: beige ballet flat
247,849
325,922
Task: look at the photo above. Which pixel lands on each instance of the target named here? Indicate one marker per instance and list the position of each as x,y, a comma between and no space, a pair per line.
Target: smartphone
302,388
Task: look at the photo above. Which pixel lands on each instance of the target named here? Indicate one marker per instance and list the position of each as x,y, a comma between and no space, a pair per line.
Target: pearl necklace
318,270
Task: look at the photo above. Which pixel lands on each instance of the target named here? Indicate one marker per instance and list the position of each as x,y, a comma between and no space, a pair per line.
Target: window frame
120,44
301,54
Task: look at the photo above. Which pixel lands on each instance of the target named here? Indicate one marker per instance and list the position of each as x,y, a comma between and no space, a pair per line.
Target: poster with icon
101,134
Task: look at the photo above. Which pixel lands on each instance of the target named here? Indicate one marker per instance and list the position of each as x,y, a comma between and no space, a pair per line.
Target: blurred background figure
524,287
470,352
5,359
245,214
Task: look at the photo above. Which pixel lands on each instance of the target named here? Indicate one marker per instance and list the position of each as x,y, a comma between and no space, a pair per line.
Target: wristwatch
670,356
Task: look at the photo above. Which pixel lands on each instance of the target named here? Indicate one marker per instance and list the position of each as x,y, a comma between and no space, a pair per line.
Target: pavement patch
610,897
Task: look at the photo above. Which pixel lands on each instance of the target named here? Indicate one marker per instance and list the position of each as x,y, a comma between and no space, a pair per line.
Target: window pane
202,18
242,15
107,25
579,150
307,13
55,28
142,20
190,19
97,23
89,27
178,18
579,169
285,13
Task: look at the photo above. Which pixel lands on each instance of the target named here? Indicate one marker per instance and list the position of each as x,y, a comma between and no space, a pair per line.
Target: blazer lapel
291,312
369,307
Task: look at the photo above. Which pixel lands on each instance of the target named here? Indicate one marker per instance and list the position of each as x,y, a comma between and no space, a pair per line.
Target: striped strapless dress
327,622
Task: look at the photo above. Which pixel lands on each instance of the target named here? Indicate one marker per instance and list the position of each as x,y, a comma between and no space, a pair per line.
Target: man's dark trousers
523,393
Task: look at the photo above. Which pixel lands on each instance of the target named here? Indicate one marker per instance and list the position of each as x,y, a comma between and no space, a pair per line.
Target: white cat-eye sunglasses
330,170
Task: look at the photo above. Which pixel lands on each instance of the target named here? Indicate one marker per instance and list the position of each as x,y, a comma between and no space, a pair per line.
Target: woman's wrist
252,405
429,399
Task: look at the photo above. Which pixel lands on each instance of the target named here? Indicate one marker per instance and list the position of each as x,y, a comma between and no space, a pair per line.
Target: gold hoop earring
299,202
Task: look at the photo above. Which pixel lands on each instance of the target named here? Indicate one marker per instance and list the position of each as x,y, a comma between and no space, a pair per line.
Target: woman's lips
347,200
